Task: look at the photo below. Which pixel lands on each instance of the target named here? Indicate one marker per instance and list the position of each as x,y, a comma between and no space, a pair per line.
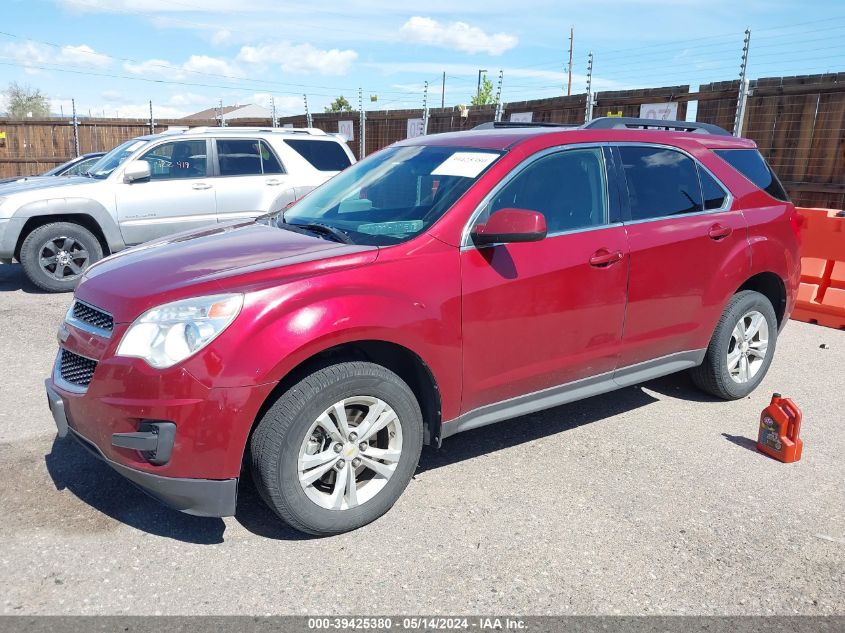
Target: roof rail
608,123
495,125
240,130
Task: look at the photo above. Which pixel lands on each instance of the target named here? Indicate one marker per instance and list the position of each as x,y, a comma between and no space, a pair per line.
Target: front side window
393,195
246,157
177,159
567,187
661,182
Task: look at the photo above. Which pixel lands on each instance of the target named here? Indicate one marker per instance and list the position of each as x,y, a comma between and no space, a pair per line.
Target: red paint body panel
490,323
537,314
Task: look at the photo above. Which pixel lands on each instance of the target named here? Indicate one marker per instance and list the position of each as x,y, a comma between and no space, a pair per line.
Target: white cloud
84,55
196,64
189,99
221,37
455,35
299,58
30,54
131,6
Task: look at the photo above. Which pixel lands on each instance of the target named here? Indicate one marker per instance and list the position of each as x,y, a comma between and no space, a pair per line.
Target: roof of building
213,113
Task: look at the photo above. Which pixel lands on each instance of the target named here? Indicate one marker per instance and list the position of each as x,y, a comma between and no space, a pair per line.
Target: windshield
108,163
393,195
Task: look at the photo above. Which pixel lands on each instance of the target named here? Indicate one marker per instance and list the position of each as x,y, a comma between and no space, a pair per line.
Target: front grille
76,369
92,316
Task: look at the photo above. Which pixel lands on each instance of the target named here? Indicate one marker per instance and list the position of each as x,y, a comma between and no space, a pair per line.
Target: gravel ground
651,500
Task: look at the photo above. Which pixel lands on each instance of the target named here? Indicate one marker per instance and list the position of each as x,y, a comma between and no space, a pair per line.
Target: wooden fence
798,123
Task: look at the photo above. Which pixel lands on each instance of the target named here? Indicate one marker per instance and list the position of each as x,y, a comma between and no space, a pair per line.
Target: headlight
170,333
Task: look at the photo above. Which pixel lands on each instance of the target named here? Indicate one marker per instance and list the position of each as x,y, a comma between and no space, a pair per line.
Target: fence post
588,115
273,109
75,128
742,96
152,121
425,110
498,116
362,126
308,121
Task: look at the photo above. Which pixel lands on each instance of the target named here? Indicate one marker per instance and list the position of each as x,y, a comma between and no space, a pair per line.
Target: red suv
442,284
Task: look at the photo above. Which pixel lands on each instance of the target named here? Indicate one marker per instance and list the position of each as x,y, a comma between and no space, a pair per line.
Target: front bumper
201,497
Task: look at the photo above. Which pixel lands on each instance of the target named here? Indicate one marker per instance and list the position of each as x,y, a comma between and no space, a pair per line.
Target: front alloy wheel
350,452
337,448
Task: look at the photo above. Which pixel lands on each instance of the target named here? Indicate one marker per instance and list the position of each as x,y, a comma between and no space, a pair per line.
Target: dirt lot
649,500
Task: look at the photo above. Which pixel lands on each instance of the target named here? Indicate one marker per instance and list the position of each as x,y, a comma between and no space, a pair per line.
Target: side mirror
136,170
511,225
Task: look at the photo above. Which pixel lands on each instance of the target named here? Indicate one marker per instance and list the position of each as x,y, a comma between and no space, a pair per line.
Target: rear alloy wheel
55,256
336,450
741,349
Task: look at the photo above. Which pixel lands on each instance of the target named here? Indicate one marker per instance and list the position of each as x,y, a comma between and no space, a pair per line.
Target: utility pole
425,109
75,128
742,97
569,66
308,121
443,91
273,111
152,121
589,113
478,89
498,116
362,126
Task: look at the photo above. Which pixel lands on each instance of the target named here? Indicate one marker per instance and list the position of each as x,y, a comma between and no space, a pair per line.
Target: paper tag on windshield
464,164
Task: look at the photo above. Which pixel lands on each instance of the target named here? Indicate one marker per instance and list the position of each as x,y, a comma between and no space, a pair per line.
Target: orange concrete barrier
821,296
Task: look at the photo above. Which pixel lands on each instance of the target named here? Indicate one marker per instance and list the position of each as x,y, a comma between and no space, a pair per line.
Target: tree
485,95
339,105
24,101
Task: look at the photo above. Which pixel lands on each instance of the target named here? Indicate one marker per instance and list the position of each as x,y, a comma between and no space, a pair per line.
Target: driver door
178,196
542,314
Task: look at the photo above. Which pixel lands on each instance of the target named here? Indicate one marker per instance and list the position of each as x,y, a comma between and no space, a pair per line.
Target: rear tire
55,256
742,348
336,450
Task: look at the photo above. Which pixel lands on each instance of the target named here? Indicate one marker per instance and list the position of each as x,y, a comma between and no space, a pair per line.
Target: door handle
603,258
718,232
199,186
272,182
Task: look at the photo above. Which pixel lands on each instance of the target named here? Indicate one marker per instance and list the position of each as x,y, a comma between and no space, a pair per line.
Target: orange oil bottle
780,425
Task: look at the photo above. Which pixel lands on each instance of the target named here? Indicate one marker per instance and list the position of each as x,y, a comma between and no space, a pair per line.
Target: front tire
336,450
742,348
55,256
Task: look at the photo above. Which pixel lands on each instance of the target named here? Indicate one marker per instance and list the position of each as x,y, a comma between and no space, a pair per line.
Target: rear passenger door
250,180
689,252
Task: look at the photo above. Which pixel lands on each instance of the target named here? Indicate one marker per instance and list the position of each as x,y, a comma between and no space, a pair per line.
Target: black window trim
610,219
726,205
215,172
208,147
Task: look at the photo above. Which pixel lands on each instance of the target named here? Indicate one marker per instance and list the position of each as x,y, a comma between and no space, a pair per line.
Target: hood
29,183
198,262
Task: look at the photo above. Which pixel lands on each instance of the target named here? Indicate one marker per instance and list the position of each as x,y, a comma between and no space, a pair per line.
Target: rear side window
714,194
753,166
661,182
246,157
323,155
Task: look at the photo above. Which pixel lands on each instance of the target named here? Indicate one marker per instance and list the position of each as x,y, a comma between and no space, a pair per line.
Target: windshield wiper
324,229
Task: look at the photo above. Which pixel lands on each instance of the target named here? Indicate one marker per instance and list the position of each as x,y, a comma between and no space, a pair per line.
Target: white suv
152,186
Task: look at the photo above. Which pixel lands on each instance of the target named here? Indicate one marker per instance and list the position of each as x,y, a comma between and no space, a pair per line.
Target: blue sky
112,56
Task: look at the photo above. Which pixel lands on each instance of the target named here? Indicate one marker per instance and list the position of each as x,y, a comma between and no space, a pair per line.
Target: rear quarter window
753,166
322,155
